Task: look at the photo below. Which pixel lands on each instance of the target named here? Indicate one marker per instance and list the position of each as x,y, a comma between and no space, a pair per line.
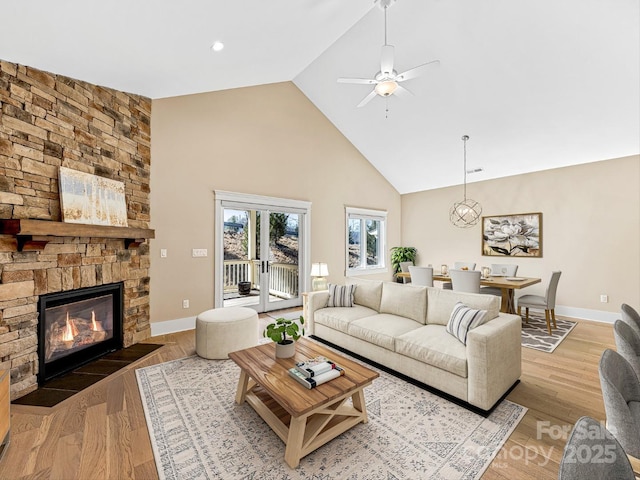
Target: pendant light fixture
466,213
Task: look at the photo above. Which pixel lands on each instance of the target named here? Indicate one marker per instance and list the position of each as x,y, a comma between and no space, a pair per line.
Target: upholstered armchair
627,344
588,435
631,317
621,395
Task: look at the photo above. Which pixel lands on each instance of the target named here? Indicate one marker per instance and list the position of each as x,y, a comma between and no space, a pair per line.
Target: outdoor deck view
242,261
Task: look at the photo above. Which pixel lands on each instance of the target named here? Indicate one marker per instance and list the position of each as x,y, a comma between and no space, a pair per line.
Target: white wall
266,140
591,231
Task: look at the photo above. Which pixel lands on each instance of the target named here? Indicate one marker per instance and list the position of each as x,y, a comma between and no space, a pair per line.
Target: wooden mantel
24,230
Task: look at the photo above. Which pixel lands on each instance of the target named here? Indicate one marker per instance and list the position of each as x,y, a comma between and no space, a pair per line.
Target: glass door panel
284,255
261,258
241,276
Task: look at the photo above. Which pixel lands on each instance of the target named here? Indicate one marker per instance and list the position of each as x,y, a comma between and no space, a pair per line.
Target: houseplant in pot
285,333
402,254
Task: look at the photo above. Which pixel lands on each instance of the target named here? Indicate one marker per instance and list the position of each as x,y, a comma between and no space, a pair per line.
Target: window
366,241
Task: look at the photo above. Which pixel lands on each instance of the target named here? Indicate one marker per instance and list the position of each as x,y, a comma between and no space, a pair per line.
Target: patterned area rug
198,432
535,334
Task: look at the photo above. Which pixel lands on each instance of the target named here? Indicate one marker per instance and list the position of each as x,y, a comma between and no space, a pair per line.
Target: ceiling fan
387,80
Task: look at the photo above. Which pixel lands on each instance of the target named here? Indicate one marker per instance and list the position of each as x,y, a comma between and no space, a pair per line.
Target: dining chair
421,276
539,302
404,268
510,270
590,436
627,344
631,317
459,266
465,280
621,395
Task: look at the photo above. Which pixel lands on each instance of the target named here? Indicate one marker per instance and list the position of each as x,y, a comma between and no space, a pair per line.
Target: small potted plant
285,333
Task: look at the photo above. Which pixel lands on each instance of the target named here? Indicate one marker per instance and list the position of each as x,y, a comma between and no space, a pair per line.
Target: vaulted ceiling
536,85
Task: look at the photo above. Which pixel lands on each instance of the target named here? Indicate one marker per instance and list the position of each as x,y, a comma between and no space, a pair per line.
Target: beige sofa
403,327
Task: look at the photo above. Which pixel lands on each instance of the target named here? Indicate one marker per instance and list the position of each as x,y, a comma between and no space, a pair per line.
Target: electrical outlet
604,298
163,253
199,252
185,303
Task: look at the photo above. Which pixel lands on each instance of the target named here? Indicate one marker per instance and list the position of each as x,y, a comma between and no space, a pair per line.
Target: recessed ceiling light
217,46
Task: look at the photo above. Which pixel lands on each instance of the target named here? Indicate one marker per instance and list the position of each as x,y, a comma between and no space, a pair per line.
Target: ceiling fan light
217,46
386,88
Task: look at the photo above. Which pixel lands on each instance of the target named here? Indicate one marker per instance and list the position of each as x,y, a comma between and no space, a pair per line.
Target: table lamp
319,271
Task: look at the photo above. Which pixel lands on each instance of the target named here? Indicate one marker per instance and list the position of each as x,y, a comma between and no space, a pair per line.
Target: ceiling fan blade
414,72
386,60
361,81
366,99
402,92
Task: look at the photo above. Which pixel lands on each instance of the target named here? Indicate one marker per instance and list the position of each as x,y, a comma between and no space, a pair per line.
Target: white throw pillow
464,319
341,295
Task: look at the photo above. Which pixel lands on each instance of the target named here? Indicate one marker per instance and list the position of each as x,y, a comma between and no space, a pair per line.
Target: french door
261,251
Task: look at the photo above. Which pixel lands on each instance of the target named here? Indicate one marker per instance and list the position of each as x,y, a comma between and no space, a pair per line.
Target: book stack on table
315,371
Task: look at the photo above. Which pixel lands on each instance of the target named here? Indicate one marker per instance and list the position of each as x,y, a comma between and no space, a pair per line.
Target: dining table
507,285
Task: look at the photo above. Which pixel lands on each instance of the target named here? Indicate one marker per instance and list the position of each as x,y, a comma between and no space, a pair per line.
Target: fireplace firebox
78,326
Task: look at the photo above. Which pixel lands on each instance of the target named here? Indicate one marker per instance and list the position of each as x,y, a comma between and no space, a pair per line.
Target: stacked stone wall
48,121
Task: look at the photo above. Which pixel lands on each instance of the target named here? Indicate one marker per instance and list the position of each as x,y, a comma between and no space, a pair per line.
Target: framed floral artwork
518,235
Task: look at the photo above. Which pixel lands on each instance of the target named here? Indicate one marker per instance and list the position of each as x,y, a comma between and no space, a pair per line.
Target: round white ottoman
223,330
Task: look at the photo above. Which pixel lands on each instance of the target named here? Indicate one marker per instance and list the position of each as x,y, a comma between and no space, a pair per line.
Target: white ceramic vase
286,350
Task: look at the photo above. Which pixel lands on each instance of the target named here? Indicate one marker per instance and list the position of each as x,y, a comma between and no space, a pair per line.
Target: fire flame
69,330
95,326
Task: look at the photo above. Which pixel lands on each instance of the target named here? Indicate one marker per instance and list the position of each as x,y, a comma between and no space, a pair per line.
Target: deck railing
283,280
283,277
235,271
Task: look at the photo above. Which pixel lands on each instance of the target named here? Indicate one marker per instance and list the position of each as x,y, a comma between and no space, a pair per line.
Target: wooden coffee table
303,419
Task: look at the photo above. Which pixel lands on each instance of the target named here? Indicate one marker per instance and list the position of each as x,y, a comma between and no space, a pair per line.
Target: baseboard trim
189,323
587,314
173,326
424,386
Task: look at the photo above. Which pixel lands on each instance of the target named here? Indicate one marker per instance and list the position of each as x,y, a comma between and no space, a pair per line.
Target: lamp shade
319,270
386,88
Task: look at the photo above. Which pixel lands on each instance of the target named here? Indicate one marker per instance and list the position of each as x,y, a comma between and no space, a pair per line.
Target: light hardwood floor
101,433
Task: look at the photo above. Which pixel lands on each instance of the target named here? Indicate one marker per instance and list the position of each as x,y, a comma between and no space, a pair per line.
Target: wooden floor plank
102,432
93,456
66,462
119,449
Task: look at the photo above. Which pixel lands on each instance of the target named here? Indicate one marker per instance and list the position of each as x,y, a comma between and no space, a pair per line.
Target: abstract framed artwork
516,235
90,199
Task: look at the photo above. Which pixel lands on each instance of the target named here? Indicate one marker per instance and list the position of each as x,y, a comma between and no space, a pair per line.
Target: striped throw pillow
464,319
341,295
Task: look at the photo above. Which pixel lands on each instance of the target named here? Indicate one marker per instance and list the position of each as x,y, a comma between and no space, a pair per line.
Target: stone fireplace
48,121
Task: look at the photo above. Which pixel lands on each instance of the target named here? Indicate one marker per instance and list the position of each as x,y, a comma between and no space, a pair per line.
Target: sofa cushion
432,344
367,292
382,329
339,318
464,319
440,304
340,295
405,301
